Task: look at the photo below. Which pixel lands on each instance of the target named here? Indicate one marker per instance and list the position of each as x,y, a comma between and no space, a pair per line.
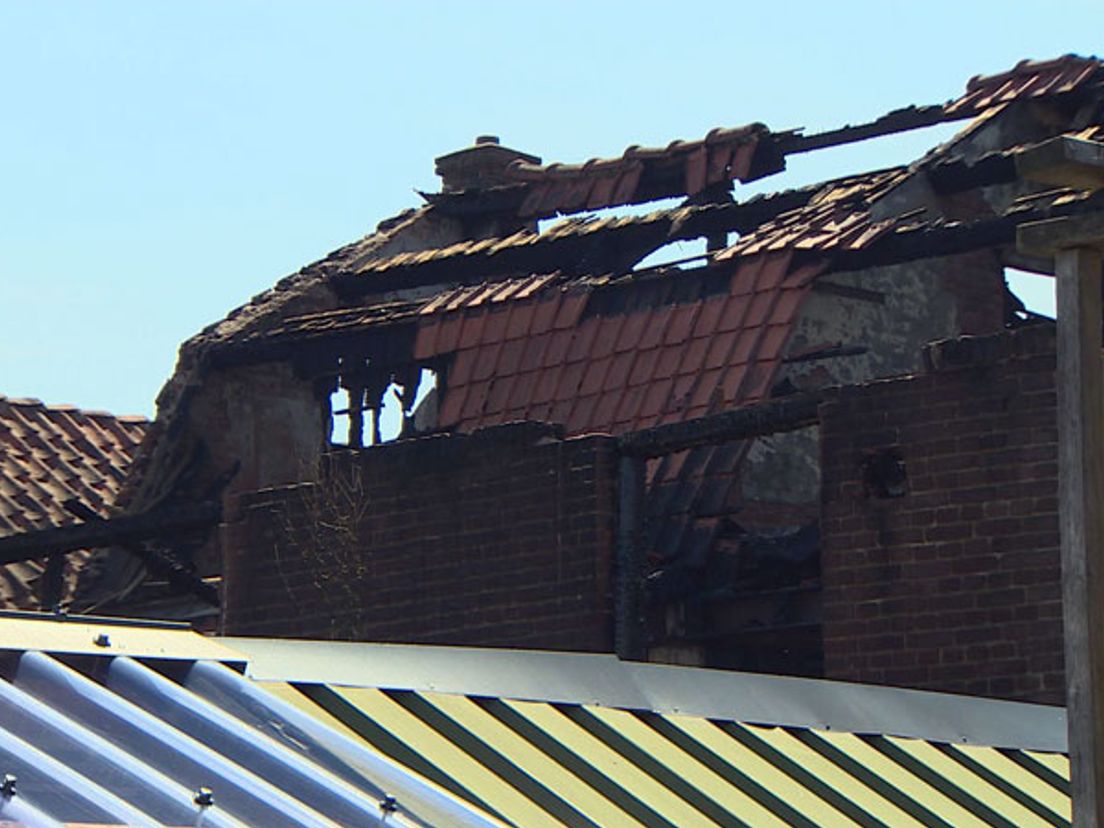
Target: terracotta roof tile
475,400
595,377
645,366
547,382
570,380
49,454
533,356
509,360
486,360
1028,79
571,308
680,324
707,387
462,367
471,329
544,315
521,318
583,341
709,315
560,412
448,333
632,331
605,409
494,326
654,331
668,363
559,343
640,174
609,328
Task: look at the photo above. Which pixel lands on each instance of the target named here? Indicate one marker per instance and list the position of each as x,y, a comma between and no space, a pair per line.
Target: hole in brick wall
394,421
884,474
1034,290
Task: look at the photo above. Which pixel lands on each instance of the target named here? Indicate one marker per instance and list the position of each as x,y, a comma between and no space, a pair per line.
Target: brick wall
939,517
501,538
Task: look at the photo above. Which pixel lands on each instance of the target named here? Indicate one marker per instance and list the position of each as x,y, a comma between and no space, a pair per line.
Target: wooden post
1075,243
628,633
1081,498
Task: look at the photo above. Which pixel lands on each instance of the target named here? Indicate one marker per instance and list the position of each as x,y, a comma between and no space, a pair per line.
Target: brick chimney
479,166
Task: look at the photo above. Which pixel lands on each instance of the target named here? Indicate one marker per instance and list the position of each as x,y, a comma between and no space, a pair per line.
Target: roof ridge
1028,66
68,408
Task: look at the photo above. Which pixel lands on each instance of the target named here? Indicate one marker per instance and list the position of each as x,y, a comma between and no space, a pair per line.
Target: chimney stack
479,166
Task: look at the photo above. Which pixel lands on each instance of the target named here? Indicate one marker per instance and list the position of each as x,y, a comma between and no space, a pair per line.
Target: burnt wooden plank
108,532
772,417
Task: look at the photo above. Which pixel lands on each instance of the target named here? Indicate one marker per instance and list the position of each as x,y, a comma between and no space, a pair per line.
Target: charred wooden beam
159,564
771,417
594,251
900,120
926,241
160,523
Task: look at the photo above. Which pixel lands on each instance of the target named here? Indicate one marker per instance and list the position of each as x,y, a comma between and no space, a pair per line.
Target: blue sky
161,163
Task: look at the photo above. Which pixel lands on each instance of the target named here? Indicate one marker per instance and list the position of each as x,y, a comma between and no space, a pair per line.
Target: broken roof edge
603,679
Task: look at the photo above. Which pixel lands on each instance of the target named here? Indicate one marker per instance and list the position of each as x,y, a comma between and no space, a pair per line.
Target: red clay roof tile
545,312
731,384
668,363
453,405
570,379
773,341
49,454
547,382
448,333
521,318
606,337
655,398
644,368
471,329
500,395
476,400
759,311
655,327
572,304
486,361
631,331
509,360
494,326
706,388
709,316
680,325
745,347
583,341
462,367
595,377
533,356
605,409
559,343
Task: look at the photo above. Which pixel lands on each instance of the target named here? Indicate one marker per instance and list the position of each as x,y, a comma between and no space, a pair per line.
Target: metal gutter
570,678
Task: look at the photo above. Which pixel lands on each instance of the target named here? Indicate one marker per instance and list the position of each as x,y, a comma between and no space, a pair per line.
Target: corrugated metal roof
308,737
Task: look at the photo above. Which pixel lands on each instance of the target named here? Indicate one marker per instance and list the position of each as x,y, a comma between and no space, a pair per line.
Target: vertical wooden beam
1076,243
628,632
356,412
1081,499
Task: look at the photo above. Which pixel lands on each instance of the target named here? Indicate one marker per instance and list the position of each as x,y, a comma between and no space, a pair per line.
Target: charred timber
772,417
900,120
161,523
591,250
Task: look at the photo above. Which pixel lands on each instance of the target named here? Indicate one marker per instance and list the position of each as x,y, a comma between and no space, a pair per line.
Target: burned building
751,458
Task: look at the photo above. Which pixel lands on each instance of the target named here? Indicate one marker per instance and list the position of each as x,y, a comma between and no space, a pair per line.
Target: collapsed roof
565,324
